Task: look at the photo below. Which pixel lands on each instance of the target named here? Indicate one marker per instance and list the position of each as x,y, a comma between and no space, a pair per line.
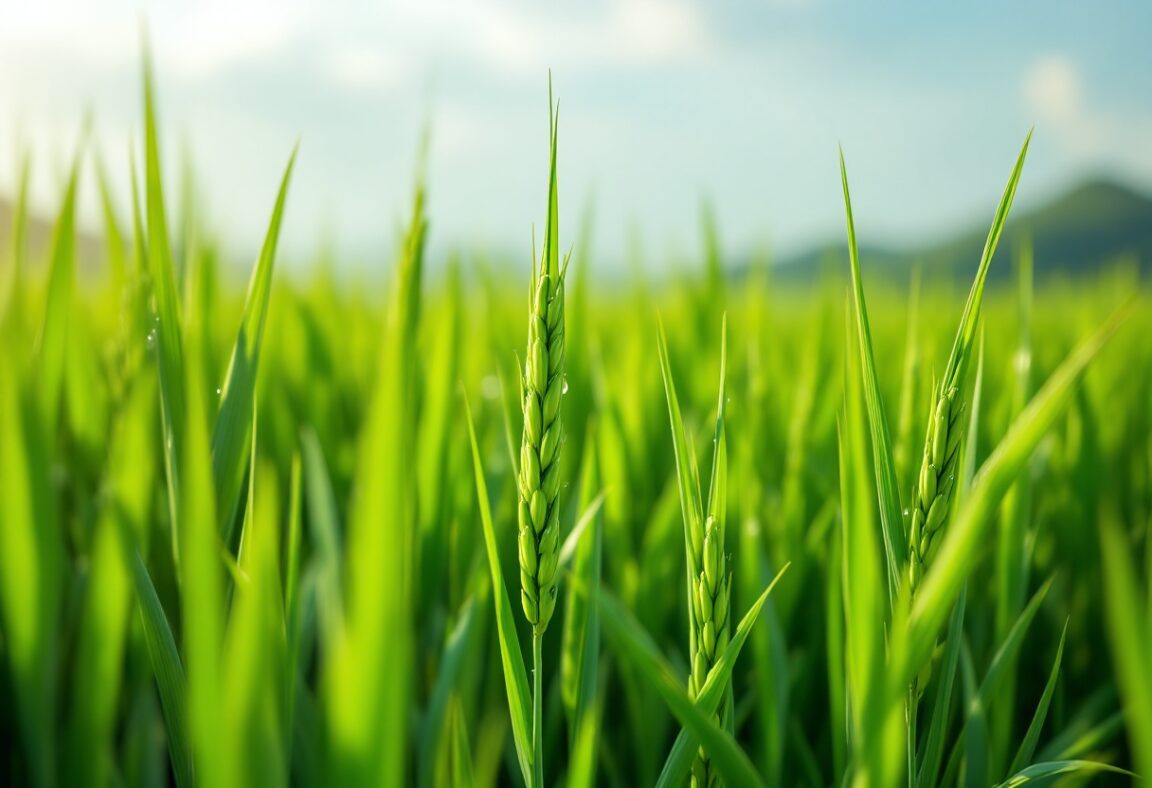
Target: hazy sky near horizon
663,103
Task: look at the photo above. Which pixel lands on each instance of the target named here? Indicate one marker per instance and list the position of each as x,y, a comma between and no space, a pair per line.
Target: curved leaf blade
233,427
679,761
511,657
634,644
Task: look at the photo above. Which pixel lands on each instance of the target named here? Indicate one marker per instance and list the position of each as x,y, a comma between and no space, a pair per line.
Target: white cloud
640,33
209,36
1054,90
1086,130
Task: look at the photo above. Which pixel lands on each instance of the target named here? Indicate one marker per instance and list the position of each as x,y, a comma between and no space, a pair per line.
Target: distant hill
1091,225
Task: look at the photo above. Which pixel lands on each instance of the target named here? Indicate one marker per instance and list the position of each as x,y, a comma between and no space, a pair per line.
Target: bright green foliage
940,466
269,536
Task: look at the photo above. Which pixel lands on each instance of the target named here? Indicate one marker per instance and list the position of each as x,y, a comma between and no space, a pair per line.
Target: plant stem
911,718
537,716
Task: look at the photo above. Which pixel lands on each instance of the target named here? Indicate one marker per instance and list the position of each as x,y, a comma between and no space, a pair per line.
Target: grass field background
245,538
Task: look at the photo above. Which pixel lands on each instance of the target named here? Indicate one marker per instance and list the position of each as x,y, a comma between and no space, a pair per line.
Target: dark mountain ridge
1077,233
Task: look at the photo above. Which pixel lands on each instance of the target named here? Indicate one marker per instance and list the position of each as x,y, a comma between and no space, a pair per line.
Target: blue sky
663,103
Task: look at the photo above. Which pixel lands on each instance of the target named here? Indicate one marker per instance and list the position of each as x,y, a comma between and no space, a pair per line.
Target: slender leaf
1043,773
634,644
511,657
165,333
959,550
679,761
234,420
1131,636
887,485
169,672
1028,743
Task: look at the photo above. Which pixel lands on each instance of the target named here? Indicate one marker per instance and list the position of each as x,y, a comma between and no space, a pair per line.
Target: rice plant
709,579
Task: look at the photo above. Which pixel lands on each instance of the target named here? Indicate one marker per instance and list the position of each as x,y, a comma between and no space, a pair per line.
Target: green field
856,531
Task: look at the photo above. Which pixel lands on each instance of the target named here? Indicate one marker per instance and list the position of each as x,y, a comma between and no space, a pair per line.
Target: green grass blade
1015,513
975,741
582,763
256,682
1092,724
909,383
769,652
635,645
962,543
1045,773
717,505
580,641
1130,633
688,480
933,754
202,576
53,345
169,673
836,655
439,429
511,657
960,354
588,514
371,675
581,687
887,485
462,769
230,436
32,562
971,442
1028,744
1003,661
679,762
166,322
324,529
461,641
551,250
99,681
877,755
979,699
975,735
292,553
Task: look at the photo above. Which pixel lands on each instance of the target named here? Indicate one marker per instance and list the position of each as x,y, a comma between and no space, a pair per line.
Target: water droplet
564,388
150,340
907,513
217,391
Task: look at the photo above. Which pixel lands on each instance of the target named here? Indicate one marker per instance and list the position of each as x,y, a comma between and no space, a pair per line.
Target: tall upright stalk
537,712
542,387
709,579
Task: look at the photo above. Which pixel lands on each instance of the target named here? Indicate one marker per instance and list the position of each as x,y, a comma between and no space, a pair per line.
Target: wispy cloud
1053,87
